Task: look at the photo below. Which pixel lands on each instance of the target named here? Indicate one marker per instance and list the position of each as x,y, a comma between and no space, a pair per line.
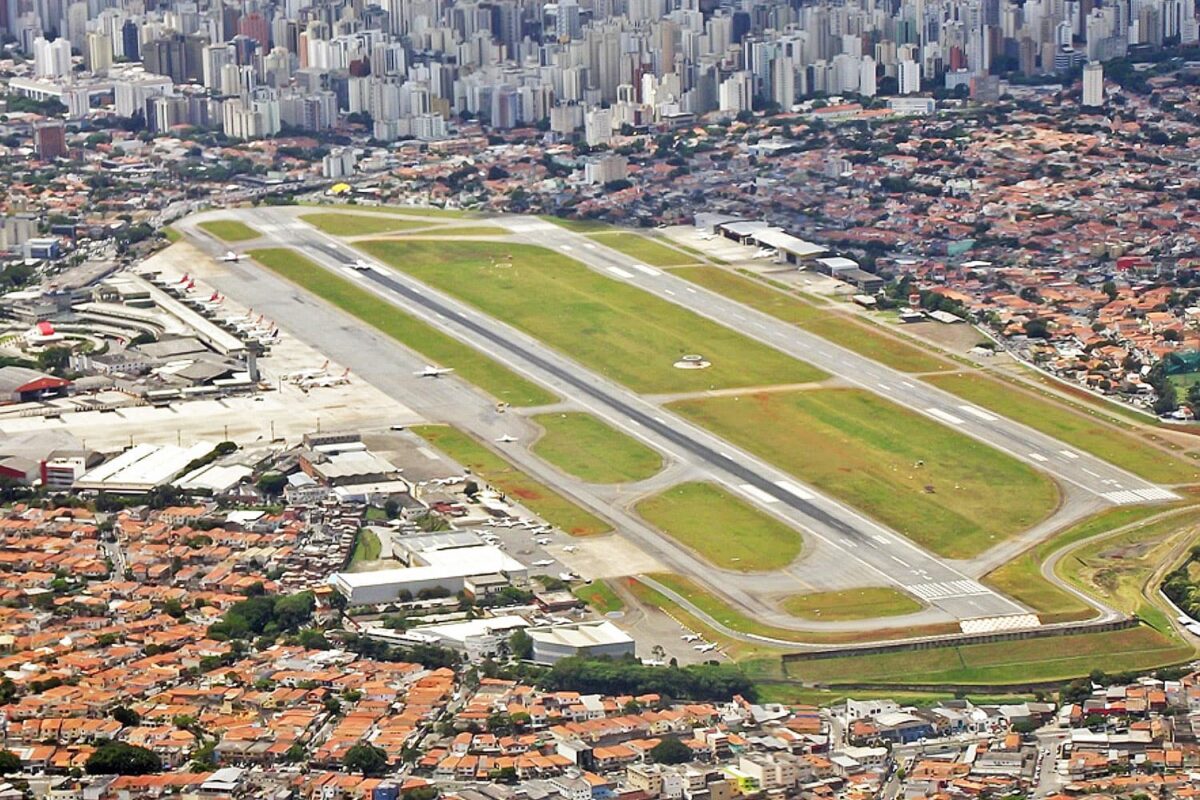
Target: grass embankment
642,248
866,603
864,450
229,230
1070,427
504,476
1022,580
171,235
611,327
367,547
471,365
1000,663
340,223
583,446
837,328
580,225
720,527
600,596
1120,570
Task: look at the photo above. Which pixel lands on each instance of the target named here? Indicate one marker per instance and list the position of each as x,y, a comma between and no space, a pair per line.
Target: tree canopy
119,758
605,676
264,615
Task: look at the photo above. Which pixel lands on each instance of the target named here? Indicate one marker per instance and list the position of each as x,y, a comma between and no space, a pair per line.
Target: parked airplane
232,256
705,648
431,371
505,439
545,562
567,576
570,548
691,637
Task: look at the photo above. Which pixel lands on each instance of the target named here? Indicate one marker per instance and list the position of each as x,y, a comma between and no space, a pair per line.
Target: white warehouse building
450,569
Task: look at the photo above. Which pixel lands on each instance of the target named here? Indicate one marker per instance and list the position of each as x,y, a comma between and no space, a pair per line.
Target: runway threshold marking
945,416
795,490
979,413
620,273
757,494
647,270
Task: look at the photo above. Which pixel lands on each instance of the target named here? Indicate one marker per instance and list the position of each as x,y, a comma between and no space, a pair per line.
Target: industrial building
23,385
141,468
448,568
596,638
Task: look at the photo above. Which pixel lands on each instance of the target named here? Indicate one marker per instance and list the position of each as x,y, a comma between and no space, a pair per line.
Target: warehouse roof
583,634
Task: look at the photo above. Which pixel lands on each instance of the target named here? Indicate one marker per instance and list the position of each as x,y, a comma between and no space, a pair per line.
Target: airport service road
850,545
1108,482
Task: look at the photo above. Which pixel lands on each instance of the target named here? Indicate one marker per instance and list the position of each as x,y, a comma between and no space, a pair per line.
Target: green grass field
464,230
408,211
600,596
1122,449
1000,663
366,548
171,234
644,249
864,450
344,224
580,225
866,603
470,364
720,527
613,328
732,618
500,473
857,337
581,445
1021,579
229,230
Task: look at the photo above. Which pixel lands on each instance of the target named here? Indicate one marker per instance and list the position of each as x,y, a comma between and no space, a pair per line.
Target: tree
9,762
54,359
1110,289
119,758
671,751
365,758
520,645
126,716
272,483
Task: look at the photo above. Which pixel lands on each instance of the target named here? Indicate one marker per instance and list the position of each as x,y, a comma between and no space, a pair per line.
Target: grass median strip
644,249
723,529
608,325
837,328
866,603
1101,440
507,478
497,380
346,224
942,489
1001,663
581,445
229,230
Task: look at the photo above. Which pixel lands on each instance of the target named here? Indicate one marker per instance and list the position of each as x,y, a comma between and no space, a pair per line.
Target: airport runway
847,543
1070,466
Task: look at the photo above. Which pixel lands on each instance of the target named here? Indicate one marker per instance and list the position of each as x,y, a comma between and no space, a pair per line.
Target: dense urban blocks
229,230
581,445
473,366
502,474
1070,427
344,224
866,603
613,328
944,490
723,529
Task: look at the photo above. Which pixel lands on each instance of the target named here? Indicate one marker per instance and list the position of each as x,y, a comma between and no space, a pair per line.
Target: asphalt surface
1107,481
845,549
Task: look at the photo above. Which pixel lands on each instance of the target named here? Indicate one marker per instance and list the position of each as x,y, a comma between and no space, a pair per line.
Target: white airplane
706,648
506,438
545,562
361,264
542,542
567,576
570,548
431,371
232,256
691,637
